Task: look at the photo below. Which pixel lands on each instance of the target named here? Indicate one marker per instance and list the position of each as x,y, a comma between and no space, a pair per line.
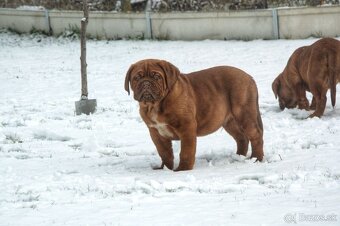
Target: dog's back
221,79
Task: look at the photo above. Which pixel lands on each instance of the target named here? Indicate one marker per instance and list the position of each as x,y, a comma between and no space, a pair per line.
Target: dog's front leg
302,100
164,149
320,102
188,151
319,92
313,104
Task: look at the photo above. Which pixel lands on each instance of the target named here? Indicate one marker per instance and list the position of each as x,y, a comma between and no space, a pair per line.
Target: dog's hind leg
236,132
255,135
249,122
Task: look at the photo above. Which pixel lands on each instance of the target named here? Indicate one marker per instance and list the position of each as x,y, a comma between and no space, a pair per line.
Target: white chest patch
161,127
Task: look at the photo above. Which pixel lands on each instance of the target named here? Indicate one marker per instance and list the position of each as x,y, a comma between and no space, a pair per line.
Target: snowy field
60,169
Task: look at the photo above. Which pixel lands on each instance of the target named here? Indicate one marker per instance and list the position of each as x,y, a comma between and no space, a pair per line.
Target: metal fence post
48,22
148,34
276,31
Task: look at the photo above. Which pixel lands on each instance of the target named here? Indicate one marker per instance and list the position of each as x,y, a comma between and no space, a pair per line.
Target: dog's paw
183,168
158,167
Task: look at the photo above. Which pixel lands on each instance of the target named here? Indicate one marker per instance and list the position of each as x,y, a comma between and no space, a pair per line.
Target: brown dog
175,106
314,68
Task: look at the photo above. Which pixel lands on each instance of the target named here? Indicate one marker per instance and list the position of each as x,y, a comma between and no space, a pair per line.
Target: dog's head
151,80
287,98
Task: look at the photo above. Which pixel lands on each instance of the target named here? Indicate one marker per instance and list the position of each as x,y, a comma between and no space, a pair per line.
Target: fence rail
289,23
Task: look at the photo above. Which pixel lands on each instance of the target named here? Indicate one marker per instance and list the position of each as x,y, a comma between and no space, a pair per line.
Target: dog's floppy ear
276,86
171,73
128,78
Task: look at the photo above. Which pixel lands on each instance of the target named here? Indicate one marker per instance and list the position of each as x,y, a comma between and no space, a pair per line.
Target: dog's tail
259,119
332,76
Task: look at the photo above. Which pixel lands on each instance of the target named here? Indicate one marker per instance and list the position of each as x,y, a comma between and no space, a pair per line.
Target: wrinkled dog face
287,98
147,82
150,80
147,85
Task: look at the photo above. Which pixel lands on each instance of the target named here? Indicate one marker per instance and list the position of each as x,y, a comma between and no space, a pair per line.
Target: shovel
84,105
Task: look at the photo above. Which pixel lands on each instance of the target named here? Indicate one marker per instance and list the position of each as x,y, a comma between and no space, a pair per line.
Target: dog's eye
138,77
155,75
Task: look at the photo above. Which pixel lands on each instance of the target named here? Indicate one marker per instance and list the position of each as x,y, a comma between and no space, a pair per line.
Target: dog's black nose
146,85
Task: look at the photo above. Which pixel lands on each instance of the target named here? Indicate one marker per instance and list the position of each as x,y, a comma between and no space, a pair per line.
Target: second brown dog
314,68
178,106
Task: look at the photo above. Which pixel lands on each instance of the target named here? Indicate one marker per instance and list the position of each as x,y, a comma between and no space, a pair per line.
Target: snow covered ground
60,169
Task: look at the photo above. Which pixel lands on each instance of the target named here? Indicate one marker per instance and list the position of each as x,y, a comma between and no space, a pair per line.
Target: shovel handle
83,64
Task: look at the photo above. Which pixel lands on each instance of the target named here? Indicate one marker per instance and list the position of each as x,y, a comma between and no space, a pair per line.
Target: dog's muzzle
291,104
282,105
147,92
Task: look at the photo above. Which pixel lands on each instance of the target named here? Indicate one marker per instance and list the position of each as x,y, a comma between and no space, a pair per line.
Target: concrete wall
293,23
103,25
244,25
23,21
299,23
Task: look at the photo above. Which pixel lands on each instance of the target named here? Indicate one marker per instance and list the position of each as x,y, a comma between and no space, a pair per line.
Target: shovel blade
86,106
